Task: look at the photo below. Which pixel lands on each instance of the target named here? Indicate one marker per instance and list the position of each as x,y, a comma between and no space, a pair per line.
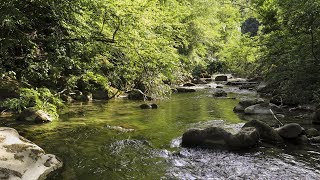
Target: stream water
118,140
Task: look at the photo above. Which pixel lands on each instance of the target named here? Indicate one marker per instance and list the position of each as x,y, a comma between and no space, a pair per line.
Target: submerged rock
266,132
291,130
220,93
32,115
21,159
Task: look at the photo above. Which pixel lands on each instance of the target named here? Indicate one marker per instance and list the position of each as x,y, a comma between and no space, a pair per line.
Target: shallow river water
118,140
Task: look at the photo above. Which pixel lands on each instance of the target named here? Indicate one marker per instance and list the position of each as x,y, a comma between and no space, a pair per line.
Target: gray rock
247,137
22,159
291,130
312,132
221,78
266,132
33,115
220,93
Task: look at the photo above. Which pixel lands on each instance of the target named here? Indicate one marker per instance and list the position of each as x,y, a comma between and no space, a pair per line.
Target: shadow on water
118,140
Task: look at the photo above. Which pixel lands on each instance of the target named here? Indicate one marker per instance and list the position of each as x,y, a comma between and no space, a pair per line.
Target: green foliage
41,99
290,56
97,44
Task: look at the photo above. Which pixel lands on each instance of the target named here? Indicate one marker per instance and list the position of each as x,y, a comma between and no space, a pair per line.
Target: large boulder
22,159
291,130
263,108
33,115
209,137
137,94
266,132
220,93
247,137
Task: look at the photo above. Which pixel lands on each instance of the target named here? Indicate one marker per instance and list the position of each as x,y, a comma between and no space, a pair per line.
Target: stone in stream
312,132
291,130
215,137
184,90
266,132
145,106
154,106
22,159
33,115
263,108
212,136
220,93
149,106
221,78
189,84
246,102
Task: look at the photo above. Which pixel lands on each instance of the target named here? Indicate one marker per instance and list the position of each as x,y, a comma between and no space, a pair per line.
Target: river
118,140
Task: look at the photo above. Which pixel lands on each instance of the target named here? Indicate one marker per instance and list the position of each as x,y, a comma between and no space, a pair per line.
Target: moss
7,172
18,157
17,148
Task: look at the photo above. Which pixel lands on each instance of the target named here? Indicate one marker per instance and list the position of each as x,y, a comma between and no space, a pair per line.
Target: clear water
118,140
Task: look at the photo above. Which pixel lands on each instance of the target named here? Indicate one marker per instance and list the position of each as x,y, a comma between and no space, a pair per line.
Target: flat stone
22,159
